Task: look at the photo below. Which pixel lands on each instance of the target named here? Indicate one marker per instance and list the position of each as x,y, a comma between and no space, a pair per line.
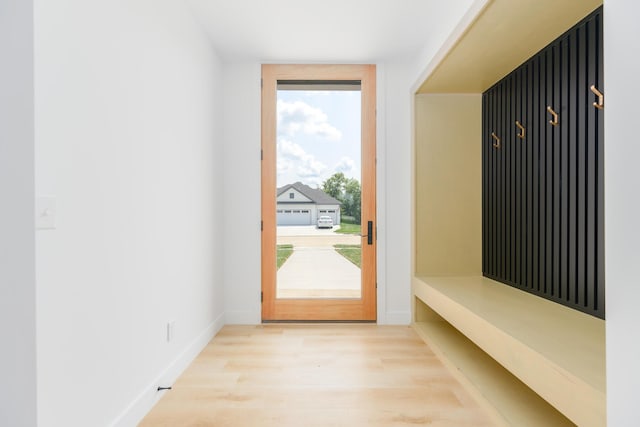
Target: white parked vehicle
325,222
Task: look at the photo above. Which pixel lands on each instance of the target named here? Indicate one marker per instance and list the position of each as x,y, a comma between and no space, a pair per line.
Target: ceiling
327,30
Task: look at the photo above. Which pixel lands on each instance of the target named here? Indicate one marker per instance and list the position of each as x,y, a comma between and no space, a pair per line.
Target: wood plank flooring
316,375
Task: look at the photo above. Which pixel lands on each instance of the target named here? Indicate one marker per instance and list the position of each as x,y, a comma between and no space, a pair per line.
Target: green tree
347,191
334,185
353,198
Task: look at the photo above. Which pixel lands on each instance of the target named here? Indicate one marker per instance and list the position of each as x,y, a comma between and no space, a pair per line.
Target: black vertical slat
581,89
490,185
591,172
494,186
538,123
600,303
533,117
501,184
485,213
526,143
517,147
557,183
550,288
512,178
572,157
542,175
508,183
564,171
523,176
484,183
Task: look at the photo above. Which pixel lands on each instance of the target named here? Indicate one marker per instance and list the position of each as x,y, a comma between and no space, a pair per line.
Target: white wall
17,248
394,193
622,209
242,192
128,139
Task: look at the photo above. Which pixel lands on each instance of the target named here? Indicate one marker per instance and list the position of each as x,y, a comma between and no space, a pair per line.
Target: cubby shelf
556,351
527,359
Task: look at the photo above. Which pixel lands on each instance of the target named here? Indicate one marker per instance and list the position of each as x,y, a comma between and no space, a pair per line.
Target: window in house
291,195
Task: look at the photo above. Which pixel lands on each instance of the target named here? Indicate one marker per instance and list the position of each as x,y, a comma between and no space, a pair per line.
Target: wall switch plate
45,212
170,330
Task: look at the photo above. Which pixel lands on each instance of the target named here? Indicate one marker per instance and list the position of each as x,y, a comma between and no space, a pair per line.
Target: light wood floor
316,375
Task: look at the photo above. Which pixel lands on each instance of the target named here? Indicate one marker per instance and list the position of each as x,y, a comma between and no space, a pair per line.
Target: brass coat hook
600,104
522,133
497,143
554,122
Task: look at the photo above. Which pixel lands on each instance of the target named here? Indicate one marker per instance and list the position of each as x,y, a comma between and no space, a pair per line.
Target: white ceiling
325,30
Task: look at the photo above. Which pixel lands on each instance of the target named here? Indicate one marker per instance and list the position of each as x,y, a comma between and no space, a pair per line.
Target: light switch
45,212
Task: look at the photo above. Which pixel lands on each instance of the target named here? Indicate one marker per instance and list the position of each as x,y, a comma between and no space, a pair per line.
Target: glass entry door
318,192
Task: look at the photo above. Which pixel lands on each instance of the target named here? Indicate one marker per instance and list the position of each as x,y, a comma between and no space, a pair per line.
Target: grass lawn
349,228
351,252
284,252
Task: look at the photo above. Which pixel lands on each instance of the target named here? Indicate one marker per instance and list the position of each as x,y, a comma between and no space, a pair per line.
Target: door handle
369,234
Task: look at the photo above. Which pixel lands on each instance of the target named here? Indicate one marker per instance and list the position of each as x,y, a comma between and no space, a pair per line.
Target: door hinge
261,296
261,83
261,225
261,154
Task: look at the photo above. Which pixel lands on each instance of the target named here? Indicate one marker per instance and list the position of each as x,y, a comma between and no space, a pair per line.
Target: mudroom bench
529,360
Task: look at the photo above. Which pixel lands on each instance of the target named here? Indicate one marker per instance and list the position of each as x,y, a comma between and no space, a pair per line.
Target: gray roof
317,196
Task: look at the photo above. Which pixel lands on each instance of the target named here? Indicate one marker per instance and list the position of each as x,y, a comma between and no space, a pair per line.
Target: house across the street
299,204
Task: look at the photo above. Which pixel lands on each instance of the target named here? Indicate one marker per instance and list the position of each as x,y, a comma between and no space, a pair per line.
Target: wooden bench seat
559,353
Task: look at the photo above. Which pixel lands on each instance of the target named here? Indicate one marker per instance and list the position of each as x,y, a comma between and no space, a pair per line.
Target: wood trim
317,309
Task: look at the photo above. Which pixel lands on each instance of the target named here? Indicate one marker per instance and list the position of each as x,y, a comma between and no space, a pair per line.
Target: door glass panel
318,196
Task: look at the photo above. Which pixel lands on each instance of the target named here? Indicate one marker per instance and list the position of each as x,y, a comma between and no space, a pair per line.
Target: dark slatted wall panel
543,201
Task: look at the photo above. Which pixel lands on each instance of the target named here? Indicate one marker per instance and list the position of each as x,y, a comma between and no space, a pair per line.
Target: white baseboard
398,318
244,317
136,411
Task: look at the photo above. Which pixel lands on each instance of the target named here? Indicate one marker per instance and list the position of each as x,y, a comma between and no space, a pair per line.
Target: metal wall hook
554,122
600,104
497,143
522,133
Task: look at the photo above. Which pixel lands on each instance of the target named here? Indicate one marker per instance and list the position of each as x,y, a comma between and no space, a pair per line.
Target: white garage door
293,217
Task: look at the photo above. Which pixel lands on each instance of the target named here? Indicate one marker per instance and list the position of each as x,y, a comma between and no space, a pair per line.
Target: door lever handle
369,234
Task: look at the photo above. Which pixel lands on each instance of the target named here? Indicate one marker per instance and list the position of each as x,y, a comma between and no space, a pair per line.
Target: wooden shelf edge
507,400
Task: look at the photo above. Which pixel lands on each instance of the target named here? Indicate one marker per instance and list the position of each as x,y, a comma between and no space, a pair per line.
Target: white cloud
296,164
284,165
297,116
346,166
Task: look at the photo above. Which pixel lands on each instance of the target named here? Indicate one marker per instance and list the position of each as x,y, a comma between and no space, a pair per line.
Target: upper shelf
501,37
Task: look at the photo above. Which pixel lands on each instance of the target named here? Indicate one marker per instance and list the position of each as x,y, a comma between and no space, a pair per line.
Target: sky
318,135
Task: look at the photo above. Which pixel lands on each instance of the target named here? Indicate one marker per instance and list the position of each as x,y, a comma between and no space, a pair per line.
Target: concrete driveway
315,269
305,230
310,236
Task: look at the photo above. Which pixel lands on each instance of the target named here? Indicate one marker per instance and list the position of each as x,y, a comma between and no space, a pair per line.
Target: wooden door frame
363,309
